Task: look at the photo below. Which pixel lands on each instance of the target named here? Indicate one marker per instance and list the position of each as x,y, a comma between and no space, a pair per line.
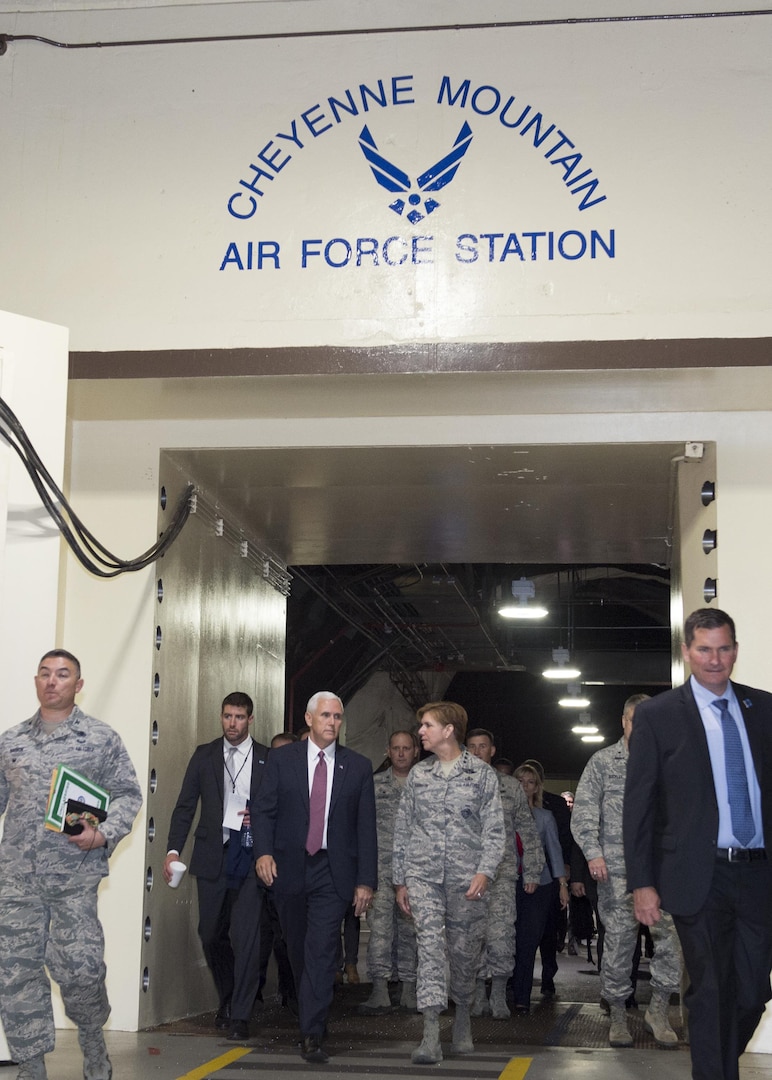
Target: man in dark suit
316,848
224,776
698,807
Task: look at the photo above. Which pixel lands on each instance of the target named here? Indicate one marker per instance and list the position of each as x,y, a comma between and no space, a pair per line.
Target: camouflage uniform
48,886
448,828
597,827
388,925
499,955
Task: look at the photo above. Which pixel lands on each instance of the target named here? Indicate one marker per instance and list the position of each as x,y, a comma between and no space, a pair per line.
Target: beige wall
129,158
33,382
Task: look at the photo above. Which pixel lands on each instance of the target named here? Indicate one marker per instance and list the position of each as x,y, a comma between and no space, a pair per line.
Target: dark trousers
727,949
229,928
350,937
272,941
548,946
310,922
532,912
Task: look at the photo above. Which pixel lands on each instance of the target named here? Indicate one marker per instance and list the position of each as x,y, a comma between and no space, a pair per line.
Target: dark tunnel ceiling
399,556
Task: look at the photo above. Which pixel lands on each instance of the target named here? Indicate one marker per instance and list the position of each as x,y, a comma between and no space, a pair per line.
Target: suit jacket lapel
339,774
218,768
694,720
752,722
257,765
300,765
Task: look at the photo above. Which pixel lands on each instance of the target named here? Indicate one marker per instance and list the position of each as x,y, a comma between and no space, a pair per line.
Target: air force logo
395,180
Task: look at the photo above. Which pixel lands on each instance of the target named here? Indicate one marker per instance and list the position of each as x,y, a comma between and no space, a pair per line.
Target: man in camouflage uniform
448,842
597,828
49,880
499,954
388,925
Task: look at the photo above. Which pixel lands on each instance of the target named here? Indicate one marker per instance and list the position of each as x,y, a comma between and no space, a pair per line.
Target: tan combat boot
619,1033
657,1022
429,1052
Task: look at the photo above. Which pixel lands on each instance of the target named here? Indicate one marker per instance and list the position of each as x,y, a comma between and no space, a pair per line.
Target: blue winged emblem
393,179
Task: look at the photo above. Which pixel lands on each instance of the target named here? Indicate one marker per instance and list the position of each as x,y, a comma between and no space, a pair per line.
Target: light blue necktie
736,776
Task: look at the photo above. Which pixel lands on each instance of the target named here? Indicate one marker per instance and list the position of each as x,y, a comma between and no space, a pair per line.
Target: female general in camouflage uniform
448,842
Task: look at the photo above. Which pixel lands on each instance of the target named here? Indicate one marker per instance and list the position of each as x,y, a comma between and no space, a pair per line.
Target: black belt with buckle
740,854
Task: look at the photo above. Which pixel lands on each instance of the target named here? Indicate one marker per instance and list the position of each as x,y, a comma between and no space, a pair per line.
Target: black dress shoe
222,1020
239,1031
311,1050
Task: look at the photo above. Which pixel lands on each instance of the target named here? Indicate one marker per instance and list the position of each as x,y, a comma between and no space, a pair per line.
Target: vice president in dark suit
316,848
222,776
697,816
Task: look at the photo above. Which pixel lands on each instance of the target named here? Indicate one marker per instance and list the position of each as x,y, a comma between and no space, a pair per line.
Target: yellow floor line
233,1055
516,1069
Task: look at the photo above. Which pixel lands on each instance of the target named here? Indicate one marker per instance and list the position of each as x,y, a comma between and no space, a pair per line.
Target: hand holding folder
74,800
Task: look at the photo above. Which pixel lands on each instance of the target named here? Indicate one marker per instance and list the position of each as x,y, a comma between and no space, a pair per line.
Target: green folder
67,783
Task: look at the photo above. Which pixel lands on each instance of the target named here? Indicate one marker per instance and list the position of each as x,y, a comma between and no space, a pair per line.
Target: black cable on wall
91,554
361,32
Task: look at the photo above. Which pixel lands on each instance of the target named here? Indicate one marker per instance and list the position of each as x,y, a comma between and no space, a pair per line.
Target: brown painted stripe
416,359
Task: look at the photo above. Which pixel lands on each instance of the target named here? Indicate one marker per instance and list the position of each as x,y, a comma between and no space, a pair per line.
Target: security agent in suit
229,894
313,890
681,847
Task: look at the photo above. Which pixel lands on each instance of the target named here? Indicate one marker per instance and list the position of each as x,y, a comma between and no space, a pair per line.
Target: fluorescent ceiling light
584,729
574,702
562,673
593,738
561,668
521,611
523,590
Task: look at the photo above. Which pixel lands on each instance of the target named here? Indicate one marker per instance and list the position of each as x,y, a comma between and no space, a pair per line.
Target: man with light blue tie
316,849
698,807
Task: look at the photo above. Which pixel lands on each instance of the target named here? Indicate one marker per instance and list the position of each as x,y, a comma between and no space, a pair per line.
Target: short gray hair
318,696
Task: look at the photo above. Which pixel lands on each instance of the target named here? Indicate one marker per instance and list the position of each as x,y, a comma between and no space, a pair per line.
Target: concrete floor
136,1056
561,1037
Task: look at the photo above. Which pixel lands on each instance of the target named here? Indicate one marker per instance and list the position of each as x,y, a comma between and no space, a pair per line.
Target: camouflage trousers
45,923
498,956
616,911
450,931
392,938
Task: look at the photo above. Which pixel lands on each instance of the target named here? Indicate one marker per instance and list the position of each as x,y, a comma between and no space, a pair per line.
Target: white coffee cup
178,869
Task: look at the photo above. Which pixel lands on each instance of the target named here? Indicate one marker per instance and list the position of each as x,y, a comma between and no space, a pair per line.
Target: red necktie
316,806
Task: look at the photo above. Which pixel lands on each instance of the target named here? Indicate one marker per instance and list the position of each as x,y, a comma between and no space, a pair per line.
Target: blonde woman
533,908
448,842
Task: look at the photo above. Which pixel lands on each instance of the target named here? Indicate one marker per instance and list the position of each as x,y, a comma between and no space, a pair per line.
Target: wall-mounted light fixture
561,668
523,591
